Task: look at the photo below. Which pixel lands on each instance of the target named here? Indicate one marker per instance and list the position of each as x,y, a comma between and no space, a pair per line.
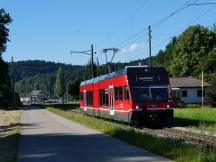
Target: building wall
191,95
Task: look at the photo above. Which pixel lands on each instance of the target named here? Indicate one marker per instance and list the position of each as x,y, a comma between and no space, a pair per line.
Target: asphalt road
46,137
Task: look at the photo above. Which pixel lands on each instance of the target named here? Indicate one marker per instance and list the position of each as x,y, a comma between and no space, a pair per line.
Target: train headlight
137,107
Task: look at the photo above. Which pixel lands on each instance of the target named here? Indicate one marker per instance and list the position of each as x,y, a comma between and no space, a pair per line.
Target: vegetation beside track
9,134
201,118
168,148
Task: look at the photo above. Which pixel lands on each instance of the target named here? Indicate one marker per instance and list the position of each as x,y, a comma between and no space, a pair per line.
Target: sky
50,29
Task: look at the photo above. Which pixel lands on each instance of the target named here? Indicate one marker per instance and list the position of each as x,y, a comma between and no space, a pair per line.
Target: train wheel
135,121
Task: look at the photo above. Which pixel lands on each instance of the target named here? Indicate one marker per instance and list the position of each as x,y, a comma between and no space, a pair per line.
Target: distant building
25,99
188,89
37,97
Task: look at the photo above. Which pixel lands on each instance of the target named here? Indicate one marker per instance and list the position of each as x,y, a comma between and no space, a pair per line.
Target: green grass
201,118
168,148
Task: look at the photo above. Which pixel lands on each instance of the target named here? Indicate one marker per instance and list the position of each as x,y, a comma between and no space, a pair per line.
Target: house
37,97
188,89
25,99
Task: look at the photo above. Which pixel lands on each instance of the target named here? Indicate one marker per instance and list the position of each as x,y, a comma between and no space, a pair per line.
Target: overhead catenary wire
197,18
133,41
127,19
133,36
158,23
181,8
201,4
136,36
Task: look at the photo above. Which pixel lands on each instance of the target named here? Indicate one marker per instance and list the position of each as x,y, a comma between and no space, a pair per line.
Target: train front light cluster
137,107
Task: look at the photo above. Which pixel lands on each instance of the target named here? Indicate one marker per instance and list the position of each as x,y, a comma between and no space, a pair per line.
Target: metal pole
92,60
12,81
97,67
202,89
150,59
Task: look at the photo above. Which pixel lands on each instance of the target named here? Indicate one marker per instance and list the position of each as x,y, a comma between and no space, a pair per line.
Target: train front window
150,94
159,94
141,94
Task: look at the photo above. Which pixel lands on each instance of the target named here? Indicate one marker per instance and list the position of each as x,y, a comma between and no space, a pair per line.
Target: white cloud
132,48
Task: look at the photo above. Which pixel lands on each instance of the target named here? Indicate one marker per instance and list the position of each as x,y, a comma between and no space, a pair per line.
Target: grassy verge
9,135
171,149
201,118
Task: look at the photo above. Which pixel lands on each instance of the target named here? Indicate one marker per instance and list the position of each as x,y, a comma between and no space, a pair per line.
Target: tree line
7,97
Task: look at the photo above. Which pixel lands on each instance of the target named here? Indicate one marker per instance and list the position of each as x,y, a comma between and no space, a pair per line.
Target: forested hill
25,69
41,75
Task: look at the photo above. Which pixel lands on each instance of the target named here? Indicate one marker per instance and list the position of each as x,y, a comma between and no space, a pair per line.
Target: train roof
117,73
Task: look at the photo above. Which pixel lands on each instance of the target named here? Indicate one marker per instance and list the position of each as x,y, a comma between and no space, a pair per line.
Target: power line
131,17
133,36
200,4
157,24
131,42
181,8
86,52
197,18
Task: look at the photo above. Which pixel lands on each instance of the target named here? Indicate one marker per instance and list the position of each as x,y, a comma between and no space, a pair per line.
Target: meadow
199,118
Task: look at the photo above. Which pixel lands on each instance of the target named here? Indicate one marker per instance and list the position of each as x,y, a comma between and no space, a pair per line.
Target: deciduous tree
211,95
59,85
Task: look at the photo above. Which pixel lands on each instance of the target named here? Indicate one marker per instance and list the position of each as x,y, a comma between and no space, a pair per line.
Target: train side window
106,98
103,97
89,98
100,95
116,93
126,93
120,93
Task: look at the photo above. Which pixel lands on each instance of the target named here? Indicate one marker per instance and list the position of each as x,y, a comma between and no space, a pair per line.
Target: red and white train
136,95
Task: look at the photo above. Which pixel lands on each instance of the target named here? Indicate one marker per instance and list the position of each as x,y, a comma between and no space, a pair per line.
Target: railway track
186,136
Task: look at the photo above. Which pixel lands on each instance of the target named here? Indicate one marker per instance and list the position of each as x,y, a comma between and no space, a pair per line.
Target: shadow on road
76,147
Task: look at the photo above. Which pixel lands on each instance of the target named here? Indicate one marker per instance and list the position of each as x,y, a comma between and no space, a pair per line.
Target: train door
85,100
111,100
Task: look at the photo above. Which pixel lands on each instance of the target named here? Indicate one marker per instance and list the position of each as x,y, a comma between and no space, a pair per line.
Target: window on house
184,93
126,93
199,93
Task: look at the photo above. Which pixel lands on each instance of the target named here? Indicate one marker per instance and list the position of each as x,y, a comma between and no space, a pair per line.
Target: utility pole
92,60
92,57
202,89
12,81
149,40
97,67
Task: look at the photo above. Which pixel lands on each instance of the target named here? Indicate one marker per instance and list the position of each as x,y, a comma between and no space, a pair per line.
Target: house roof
186,82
